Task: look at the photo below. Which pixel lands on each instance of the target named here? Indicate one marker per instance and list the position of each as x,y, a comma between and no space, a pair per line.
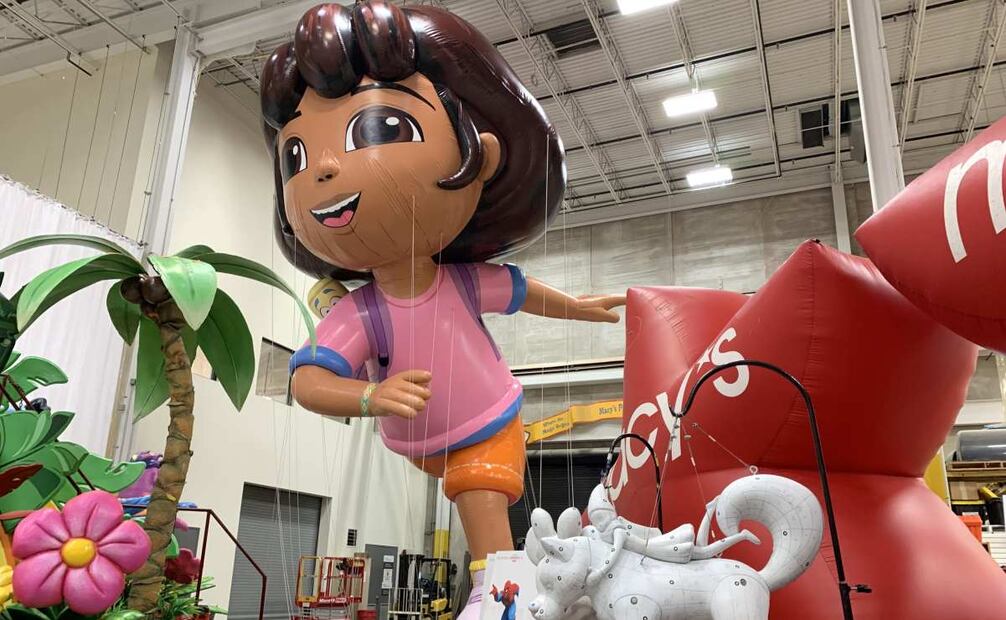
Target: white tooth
336,206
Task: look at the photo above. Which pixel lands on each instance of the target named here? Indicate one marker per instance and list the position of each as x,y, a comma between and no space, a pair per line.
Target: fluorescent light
698,101
717,175
628,7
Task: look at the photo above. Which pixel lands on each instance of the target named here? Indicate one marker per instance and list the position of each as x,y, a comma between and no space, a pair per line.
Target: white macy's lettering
714,355
994,153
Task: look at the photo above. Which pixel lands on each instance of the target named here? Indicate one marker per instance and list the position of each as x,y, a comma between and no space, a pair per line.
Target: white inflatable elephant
632,572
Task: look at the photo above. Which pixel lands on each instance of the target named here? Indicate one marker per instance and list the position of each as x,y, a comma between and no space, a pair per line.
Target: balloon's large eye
293,158
381,124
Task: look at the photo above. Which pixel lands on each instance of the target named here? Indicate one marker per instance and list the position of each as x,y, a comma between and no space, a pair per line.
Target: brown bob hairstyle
335,47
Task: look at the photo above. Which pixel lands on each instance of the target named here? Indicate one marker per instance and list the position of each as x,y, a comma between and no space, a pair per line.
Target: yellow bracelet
365,399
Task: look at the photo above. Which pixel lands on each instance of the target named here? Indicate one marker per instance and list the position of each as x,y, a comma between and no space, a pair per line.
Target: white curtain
76,333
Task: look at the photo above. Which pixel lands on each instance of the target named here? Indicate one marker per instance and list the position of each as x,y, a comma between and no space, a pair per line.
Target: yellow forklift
424,588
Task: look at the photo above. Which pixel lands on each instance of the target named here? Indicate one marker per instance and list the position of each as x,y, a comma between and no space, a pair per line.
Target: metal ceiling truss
26,19
542,57
914,44
678,24
71,11
610,50
766,86
21,24
994,28
249,76
87,4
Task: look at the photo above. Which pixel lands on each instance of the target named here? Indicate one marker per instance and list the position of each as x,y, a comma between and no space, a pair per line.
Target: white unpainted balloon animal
633,572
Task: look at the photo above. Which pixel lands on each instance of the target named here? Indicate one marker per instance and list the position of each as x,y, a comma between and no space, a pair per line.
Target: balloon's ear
491,155
541,527
541,523
561,550
569,524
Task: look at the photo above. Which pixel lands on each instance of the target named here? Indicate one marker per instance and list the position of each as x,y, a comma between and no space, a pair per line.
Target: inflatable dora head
400,132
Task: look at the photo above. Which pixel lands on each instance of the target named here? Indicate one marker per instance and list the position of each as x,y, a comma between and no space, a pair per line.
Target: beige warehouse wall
225,201
734,246
86,141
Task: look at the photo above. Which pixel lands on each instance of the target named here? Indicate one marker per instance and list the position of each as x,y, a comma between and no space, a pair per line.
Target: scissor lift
330,587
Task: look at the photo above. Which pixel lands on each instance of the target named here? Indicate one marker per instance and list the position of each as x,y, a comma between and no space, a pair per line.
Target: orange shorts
496,464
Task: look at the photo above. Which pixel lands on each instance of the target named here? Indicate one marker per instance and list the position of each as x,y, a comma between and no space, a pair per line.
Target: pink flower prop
79,556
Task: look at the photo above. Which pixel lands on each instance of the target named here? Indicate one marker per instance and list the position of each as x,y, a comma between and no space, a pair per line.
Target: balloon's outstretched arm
547,301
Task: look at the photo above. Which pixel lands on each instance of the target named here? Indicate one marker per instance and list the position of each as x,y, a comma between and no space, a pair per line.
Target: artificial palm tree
176,307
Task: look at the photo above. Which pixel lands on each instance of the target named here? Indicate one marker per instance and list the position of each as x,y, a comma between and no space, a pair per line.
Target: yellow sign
577,414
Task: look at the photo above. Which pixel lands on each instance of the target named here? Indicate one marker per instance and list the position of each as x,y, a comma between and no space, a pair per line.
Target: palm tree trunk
160,520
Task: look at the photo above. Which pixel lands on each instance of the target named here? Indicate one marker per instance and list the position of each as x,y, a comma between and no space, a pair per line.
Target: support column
883,148
176,115
1001,367
841,210
442,531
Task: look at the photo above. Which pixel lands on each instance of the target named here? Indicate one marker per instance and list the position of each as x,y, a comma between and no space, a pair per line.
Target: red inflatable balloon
887,383
941,241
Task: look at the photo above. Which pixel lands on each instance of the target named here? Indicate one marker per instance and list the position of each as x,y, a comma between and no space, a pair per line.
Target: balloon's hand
494,593
403,395
598,308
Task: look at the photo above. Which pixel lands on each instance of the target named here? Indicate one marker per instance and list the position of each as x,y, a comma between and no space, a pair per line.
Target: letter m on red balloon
940,242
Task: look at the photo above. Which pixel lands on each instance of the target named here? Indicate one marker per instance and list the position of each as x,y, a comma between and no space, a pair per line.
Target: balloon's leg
473,608
486,521
487,528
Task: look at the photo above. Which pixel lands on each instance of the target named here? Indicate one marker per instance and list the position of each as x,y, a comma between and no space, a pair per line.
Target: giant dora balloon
407,152
942,240
887,383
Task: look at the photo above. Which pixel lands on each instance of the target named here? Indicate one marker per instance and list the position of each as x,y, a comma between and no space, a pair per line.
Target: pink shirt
441,330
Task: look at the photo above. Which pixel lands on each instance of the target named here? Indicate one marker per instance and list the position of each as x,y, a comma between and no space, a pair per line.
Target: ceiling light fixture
628,7
692,103
717,175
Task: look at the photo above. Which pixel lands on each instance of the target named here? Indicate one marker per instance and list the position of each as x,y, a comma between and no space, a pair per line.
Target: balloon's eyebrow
392,86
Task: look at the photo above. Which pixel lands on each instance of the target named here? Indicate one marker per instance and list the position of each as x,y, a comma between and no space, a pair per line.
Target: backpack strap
466,282
376,321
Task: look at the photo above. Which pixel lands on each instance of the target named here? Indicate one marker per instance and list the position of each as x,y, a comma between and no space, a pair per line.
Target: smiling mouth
338,213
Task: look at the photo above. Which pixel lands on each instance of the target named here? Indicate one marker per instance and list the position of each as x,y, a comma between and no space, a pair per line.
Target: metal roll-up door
552,488
277,527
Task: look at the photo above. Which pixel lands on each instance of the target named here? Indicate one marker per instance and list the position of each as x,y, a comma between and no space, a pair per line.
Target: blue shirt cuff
325,358
519,289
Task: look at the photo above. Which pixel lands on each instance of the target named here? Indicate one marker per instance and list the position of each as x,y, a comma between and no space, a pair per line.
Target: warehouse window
274,372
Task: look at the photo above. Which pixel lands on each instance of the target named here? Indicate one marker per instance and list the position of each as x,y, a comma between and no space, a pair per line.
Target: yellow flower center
78,552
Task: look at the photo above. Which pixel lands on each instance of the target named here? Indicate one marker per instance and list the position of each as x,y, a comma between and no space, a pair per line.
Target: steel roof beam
154,24
636,110
979,82
18,22
72,12
541,58
784,106
911,65
765,84
745,50
678,24
100,15
73,55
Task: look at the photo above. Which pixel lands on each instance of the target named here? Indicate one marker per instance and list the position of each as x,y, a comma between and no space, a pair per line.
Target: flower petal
92,515
92,589
127,546
42,530
38,581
